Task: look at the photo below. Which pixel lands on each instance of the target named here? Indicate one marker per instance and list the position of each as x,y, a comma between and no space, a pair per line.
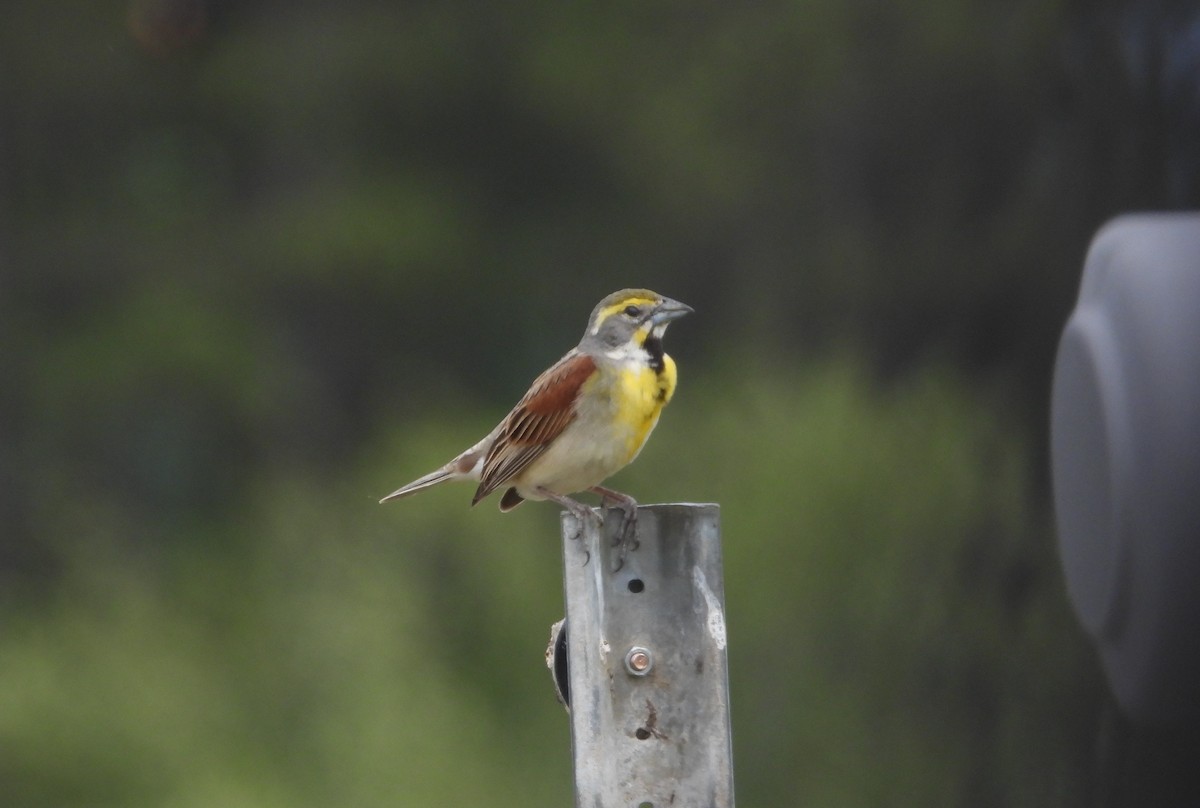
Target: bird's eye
633,311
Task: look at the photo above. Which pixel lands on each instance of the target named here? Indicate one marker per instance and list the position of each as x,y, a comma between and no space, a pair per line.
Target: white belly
574,462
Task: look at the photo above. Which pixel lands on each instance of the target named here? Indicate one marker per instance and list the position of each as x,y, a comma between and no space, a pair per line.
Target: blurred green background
262,262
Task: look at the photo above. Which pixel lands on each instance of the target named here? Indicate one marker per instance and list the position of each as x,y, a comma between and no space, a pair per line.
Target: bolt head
638,661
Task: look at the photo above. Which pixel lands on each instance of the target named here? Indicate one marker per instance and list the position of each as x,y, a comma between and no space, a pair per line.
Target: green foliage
898,634
308,666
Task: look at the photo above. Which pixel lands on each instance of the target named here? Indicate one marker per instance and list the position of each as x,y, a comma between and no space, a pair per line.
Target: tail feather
428,481
467,466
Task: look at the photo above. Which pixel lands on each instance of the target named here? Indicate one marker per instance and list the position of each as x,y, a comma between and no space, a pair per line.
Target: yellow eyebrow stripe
605,313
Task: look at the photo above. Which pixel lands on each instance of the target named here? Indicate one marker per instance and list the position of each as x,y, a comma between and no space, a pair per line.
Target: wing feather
539,418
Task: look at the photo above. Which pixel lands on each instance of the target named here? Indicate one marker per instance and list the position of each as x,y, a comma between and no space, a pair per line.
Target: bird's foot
577,509
626,537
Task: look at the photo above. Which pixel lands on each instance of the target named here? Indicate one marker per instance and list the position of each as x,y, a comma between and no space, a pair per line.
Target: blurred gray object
1125,454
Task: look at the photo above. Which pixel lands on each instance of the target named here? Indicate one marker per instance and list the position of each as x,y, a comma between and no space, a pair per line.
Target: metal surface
656,737
1125,460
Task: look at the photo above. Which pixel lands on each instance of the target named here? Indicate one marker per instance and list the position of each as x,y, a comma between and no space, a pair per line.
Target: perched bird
584,419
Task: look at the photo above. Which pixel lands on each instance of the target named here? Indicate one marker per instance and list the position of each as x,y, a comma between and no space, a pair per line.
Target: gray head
629,318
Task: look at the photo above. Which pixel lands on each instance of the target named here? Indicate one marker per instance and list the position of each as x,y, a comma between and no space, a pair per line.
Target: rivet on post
638,661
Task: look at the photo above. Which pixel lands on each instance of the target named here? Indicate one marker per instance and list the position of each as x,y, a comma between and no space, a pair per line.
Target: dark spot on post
637,586
651,727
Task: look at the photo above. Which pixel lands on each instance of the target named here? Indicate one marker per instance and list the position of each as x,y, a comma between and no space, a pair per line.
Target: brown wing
538,419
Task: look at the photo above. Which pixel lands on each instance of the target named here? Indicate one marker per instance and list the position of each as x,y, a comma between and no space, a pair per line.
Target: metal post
648,682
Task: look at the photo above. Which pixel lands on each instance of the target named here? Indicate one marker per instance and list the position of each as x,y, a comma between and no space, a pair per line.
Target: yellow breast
641,395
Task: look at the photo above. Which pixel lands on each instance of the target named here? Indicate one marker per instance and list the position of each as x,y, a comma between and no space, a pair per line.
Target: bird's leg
577,509
628,506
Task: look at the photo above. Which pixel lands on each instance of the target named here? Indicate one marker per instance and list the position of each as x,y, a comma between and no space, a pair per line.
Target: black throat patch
654,347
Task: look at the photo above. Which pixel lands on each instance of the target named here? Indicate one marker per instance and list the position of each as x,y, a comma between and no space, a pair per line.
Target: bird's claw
626,536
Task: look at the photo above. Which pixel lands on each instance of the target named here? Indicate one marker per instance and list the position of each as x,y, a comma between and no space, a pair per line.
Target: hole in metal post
562,679
636,585
641,733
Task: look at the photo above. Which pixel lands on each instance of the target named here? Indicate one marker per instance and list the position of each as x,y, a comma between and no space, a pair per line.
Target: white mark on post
715,620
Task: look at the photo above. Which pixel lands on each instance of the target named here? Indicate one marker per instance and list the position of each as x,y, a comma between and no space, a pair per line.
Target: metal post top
647,671
667,508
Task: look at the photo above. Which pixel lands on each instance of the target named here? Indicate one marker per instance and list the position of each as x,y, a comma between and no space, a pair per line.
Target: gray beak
669,310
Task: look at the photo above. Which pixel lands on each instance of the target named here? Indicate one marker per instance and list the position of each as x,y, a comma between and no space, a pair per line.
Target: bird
583,419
